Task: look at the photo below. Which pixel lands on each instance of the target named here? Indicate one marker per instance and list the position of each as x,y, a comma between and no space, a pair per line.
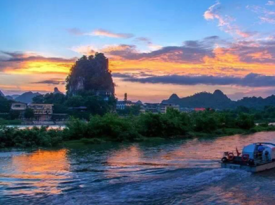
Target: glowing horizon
217,45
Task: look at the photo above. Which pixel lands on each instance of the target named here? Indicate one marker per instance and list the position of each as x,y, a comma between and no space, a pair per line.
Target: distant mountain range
216,100
1,94
26,97
219,100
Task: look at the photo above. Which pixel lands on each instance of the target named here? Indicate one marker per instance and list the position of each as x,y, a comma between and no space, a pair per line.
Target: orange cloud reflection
124,159
41,170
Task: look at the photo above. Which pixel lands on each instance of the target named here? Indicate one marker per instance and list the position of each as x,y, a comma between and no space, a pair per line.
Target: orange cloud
261,55
28,63
193,58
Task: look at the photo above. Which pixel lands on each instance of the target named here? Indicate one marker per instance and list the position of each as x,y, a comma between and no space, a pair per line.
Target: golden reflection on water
124,159
37,172
213,148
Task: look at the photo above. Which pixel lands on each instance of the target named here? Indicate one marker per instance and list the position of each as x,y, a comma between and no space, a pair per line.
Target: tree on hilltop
90,74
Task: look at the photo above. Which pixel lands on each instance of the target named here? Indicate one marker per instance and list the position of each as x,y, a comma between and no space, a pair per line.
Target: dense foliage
129,110
91,104
112,127
90,74
13,137
90,89
5,105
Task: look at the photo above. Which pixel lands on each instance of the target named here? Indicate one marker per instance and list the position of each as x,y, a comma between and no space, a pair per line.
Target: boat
255,157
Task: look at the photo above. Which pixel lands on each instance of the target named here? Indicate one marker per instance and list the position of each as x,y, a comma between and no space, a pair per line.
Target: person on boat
260,149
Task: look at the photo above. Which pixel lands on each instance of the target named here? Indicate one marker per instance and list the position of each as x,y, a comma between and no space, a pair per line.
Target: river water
165,172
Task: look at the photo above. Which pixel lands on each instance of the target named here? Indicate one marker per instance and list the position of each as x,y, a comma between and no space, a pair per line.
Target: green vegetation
14,137
90,89
91,104
130,110
5,105
113,128
29,113
90,73
9,122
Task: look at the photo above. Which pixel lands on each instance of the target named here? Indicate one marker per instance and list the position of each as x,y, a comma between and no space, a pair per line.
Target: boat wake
155,190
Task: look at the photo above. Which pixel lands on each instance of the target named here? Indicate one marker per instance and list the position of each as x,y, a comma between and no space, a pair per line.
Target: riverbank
35,137
225,132
148,126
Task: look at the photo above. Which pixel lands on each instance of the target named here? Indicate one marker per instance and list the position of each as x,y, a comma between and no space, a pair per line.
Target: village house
19,107
42,112
159,107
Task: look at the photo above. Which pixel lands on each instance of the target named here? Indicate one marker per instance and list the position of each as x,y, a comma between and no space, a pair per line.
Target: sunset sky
155,47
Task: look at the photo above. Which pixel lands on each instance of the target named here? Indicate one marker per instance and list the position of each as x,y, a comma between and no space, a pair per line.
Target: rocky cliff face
91,74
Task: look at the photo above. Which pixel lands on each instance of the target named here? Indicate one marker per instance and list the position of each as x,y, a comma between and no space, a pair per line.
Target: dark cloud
250,80
262,51
53,81
212,38
20,56
190,51
121,75
131,75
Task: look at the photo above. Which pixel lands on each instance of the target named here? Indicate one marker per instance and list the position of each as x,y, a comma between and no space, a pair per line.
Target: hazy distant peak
27,97
56,91
174,97
139,102
2,94
218,92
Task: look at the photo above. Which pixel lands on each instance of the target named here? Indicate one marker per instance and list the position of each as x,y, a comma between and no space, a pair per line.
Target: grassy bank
10,122
145,127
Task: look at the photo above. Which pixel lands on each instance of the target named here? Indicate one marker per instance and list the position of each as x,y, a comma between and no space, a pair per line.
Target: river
164,172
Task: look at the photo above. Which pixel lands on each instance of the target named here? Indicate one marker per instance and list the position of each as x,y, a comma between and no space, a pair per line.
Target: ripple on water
174,172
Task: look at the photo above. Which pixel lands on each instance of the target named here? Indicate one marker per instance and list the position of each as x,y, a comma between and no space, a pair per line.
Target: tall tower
125,97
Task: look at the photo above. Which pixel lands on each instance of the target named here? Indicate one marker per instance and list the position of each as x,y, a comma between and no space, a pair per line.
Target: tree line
111,127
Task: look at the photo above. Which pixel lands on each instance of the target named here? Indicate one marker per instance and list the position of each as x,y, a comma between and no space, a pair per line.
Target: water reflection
125,159
126,156
211,149
37,172
167,172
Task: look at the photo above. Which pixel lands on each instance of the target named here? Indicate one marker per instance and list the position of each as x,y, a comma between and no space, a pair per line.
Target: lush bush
9,122
14,137
245,121
29,113
112,127
172,123
108,126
